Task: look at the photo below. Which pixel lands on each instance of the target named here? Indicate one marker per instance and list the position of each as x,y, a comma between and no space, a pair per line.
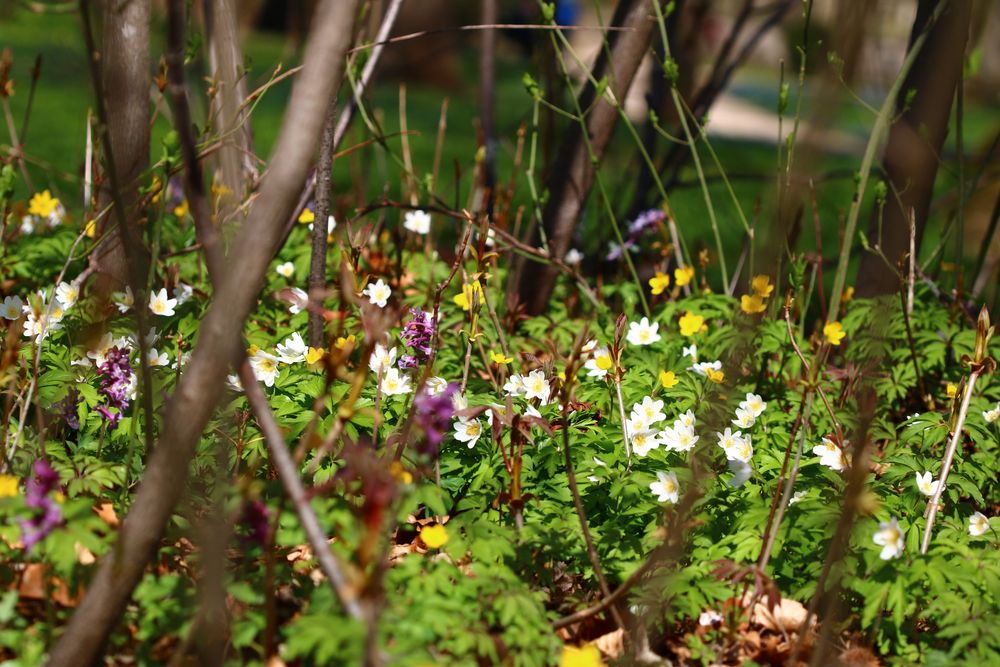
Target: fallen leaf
106,511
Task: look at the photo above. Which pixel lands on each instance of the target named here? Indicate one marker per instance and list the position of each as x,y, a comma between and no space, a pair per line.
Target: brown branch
219,344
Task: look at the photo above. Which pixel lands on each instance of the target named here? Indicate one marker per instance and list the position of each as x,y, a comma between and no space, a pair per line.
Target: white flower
665,487
598,366
100,352
182,359
703,367
589,346
890,537
744,418
459,401
123,300
293,350
381,358
992,415
737,446
642,332
154,358
754,405
536,386
417,221
636,422
798,496
265,367
573,257
27,224
514,385
644,441
286,269
394,383
925,484
183,293
830,455
650,409
468,431
710,617
741,472
233,381
532,411
159,304
298,300
978,524
67,293
11,308
331,224
686,420
690,351
151,338
679,438
435,385
378,293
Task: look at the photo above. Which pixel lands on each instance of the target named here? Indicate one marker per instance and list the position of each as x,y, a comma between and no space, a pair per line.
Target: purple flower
617,251
407,362
66,409
434,414
47,514
645,220
418,332
116,383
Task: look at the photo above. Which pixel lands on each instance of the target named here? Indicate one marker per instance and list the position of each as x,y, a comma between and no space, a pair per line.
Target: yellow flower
156,187
580,656
668,379
691,324
751,304
219,190
659,282
951,390
402,475
59,497
683,275
434,536
314,354
42,204
498,358
90,229
253,350
306,216
181,209
8,486
344,342
464,300
848,294
603,361
715,376
834,333
761,286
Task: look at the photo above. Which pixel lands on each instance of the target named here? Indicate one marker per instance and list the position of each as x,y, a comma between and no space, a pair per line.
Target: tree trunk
572,175
219,344
911,155
126,79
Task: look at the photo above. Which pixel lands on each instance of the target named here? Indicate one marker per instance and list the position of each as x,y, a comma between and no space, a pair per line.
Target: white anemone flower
468,431
643,333
754,404
978,524
293,349
599,364
298,300
686,419
536,386
154,358
573,257
381,358
992,415
690,351
703,367
418,222
11,308
160,305
665,487
741,472
286,269
889,536
514,385
265,367
68,294
645,441
925,484
395,383
124,300
435,385
651,409
830,455
744,418
378,293
183,293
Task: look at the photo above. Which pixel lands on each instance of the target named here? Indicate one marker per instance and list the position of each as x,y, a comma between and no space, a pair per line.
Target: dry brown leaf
612,644
84,556
106,511
32,587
